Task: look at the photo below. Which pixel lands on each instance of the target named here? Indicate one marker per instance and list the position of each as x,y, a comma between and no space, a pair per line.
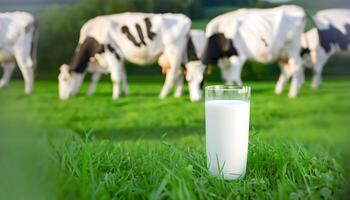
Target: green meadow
140,147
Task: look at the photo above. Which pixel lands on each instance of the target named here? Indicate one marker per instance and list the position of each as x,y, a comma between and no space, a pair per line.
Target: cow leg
236,65
302,78
237,75
179,86
280,83
8,70
168,84
225,68
283,78
94,80
317,76
231,70
25,64
229,82
124,81
116,90
170,79
174,72
115,68
316,80
77,80
296,65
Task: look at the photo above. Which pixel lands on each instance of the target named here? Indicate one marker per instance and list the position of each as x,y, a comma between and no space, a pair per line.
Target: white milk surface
227,128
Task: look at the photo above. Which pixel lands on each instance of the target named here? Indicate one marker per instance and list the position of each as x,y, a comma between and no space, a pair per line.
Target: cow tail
35,41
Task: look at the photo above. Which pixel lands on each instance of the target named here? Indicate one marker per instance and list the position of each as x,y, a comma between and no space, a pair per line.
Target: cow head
68,83
217,46
195,77
305,52
194,74
311,50
305,55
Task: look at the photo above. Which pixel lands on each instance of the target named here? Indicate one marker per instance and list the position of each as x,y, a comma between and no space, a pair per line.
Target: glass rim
228,88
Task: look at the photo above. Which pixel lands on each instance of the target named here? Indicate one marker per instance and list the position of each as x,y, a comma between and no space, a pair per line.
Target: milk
227,128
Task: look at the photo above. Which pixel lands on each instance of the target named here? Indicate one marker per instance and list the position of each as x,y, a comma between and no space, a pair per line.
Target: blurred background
61,20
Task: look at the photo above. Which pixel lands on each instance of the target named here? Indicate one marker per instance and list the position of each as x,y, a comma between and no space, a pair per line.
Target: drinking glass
227,110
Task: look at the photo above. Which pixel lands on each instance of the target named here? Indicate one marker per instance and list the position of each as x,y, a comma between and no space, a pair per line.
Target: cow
194,48
330,36
263,35
105,42
194,68
17,30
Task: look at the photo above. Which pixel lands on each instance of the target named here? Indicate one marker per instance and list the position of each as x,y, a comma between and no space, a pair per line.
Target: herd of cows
105,42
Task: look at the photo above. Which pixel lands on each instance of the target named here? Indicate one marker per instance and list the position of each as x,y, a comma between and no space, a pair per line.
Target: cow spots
191,51
126,31
87,50
139,31
333,36
84,52
264,42
150,34
218,46
111,49
304,51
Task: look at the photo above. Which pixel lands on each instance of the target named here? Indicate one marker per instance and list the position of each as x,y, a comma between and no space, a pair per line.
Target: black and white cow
263,35
106,41
16,44
331,36
194,48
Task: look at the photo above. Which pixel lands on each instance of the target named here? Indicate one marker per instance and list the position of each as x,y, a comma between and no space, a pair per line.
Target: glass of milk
227,126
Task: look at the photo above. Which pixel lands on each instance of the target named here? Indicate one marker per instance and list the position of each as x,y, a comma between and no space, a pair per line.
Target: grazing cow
263,35
16,45
331,36
194,48
106,41
194,68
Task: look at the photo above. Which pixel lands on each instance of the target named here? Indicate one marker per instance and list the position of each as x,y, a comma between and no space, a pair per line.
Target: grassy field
142,147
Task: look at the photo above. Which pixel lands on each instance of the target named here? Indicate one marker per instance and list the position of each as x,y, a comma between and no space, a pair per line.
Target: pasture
142,147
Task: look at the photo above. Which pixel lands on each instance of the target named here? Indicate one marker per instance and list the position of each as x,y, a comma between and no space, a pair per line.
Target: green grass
142,147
